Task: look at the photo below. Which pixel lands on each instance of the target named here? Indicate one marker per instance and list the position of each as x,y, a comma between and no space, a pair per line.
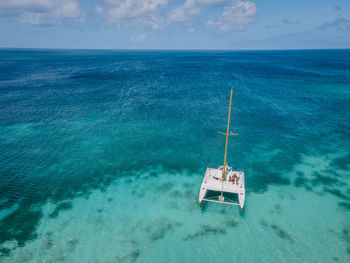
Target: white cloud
121,10
236,16
191,30
185,12
139,38
41,11
137,13
156,22
99,10
156,14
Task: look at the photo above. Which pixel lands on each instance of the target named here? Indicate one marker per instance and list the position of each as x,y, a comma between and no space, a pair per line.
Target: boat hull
233,184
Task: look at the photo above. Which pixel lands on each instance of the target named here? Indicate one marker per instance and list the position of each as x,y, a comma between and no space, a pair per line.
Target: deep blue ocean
102,154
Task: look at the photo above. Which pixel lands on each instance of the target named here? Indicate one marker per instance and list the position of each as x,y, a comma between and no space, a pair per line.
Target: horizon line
169,49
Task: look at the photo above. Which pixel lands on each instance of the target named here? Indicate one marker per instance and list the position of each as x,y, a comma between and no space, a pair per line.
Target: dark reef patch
159,228
160,231
128,180
302,182
130,258
280,232
344,205
265,178
264,222
165,187
277,209
15,227
317,180
189,194
4,252
335,192
64,206
345,236
153,174
6,204
342,163
325,180
206,230
175,194
72,244
182,194
331,172
231,222
187,185
299,173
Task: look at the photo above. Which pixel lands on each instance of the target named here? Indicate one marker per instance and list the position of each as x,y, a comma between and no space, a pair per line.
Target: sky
175,24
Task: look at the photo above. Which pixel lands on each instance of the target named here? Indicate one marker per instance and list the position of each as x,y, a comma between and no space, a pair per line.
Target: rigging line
251,232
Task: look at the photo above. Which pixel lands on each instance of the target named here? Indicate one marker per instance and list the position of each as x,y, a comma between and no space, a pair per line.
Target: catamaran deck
212,181
225,183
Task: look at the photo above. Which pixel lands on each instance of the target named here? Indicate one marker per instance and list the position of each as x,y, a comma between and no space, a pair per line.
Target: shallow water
103,152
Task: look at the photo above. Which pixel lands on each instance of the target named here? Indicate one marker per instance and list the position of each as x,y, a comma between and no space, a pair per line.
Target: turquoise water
102,154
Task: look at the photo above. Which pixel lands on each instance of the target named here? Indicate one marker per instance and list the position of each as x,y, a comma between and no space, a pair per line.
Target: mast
227,134
228,128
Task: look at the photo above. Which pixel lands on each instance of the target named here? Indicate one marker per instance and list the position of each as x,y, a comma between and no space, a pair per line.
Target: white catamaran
223,185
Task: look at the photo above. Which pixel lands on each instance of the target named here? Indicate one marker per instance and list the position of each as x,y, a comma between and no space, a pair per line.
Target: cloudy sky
175,24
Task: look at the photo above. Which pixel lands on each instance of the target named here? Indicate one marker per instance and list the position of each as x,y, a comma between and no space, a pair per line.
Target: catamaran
223,185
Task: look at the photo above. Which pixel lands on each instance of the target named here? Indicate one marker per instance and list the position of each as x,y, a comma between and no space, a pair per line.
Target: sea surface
102,154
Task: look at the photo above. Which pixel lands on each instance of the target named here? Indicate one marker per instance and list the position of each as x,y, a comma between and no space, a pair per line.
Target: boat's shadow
204,206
